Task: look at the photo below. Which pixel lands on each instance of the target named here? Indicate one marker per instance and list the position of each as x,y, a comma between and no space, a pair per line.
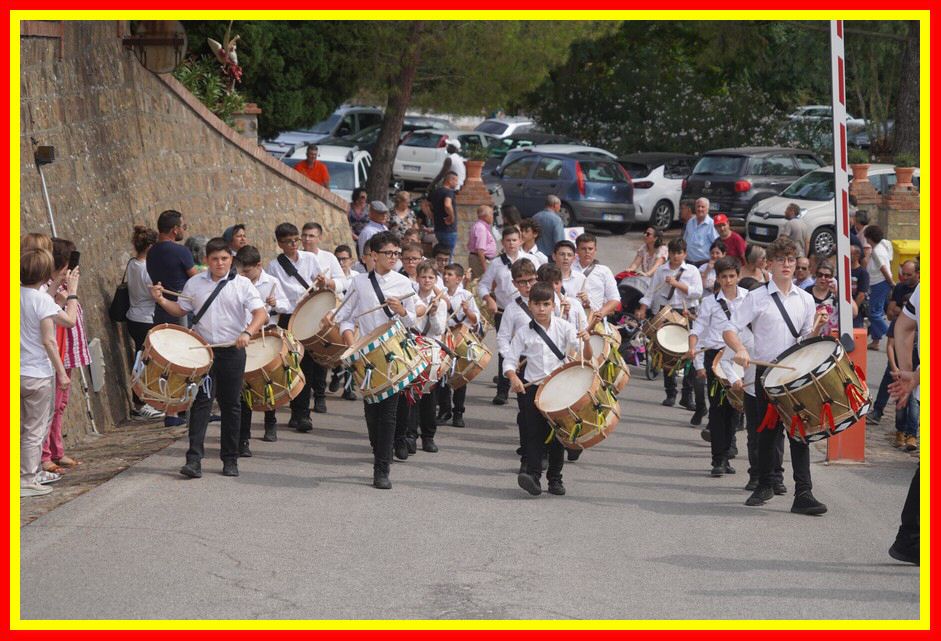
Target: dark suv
592,188
735,179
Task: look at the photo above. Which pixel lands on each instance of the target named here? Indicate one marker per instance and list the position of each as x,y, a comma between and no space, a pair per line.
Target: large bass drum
171,367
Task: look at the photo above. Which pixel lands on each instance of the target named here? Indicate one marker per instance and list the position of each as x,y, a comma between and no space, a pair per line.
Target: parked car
735,179
367,138
503,127
348,167
499,150
592,189
421,154
823,113
658,185
345,121
813,193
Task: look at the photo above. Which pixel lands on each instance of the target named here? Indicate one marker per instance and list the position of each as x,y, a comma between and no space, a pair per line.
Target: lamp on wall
159,45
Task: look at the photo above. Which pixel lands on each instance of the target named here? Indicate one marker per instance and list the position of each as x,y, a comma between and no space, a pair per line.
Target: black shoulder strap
506,260
724,306
910,308
563,290
587,272
291,270
524,306
548,341
212,296
784,315
679,275
127,267
379,294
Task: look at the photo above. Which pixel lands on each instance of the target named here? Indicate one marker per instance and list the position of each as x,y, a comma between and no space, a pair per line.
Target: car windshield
601,172
720,165
427,140
324,126
499,148
491,127
368,135
341,174
636,169
817,185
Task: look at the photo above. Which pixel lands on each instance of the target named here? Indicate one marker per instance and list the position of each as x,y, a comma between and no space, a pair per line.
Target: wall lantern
159,45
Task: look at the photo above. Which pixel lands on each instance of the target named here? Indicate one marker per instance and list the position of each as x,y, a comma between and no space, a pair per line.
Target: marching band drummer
462,310
344,256
599,295
563,255
780,315
220,299
678,285
566,307
378,286
544,342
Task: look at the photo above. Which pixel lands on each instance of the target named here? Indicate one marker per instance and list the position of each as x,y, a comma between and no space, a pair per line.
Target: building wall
130,144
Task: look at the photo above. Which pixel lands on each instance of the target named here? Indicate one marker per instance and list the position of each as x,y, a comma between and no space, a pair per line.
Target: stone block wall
130,144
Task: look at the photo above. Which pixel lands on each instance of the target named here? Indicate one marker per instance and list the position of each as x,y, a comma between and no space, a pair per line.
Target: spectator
755,267
909,277
511,215
529,235
733,241
378,215
824,292
686,211
651,255
795,228
313,168
802,277
401,218
880,282
445,216
699,233
481,245
235,236
708,271
551,229
860,281
358,215
140,315
41,368
36,241
454,162
860,220
197,246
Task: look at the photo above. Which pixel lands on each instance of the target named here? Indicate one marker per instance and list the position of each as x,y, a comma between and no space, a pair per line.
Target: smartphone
73,259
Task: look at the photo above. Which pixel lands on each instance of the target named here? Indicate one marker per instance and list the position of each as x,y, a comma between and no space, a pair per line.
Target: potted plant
859,163
904,168
476,155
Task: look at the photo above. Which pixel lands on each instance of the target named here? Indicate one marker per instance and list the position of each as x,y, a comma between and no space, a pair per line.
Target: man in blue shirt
551,230
699,234
168,262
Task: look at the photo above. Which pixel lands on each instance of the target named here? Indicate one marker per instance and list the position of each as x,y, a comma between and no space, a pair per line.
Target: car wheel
662,215
567,215
823,241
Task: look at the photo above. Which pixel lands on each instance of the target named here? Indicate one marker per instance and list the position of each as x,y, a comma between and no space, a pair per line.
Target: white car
348,167
816,113
503,127
658,185
813,193
421,154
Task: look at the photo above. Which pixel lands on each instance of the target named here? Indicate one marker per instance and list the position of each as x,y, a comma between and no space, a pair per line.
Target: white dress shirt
308,268
328,263
576,315
658,295
572,285
343,283
455,301
600,285
433,325
709,317
514,319
540,360
534,255
498,281
224,319
267,285
727,364
393,285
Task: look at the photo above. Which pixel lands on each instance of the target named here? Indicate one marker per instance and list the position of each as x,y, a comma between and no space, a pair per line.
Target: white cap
453,141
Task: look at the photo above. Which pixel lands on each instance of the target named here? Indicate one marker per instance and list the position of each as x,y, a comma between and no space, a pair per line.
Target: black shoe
245,450
173,421
807,504
556,487
320,405
292,423
732,453
760,496
411,444
717,470
271,432
334,384
705,434
230,468
401,451
443,416
380,480
428,445
697,417
780,489
729,469
499,399
496,379
522,466
458,420
669,401
686,400
192,470
905,553
529,483
304,424
574,455
752,485
349,395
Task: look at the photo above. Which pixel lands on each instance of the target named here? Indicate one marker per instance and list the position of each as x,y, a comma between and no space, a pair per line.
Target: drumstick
342,303
213,345
177,294
378,307
768,364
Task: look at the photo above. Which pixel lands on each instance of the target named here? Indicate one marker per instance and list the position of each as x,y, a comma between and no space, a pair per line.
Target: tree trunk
400,94
907,120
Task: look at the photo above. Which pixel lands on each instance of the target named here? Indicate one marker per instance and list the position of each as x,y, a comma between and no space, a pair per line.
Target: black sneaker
760,496
780,489
230,468
271,432
556,487
173,421
717,470
192,470
752,485
443,416
401,451
292,423
458,420
574,455
334,384
729,469
529,483
705,434
698,416
732,453
380,480
686,400
807,504
428,445
905,553
669,401
304,424
411,444
244,450
499,399
320,405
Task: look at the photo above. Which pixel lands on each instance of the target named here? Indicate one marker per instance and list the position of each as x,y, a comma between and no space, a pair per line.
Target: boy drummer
366,290
780,315
220,299
462,310
544,342
566,307
599,295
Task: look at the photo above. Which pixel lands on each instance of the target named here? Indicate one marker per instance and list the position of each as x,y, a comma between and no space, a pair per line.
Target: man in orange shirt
316,171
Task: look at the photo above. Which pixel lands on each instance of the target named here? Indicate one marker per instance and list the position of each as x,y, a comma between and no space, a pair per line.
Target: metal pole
88,410
841,186
45,195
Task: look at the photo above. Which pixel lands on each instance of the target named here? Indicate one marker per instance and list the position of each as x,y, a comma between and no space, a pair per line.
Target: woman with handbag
140,313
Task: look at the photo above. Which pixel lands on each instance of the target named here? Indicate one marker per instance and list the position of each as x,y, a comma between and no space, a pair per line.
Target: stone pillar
865,194
900,213
246,121
473,194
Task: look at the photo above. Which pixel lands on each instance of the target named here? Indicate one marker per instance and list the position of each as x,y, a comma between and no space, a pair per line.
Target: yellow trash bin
903,250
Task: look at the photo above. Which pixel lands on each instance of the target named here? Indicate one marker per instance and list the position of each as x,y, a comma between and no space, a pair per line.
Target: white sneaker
34,489
146,412
46,477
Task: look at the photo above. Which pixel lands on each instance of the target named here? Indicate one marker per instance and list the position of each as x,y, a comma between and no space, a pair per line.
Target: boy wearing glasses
366,290
780,315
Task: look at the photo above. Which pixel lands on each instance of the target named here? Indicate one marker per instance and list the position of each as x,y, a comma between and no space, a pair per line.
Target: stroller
631,287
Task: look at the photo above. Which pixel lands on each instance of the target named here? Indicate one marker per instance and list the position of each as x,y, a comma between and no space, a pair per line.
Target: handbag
121,301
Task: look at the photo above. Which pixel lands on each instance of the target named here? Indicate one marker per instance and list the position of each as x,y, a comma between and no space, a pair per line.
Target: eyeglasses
344,258
411,259
824,275
390,253
527,281
785,260
289,241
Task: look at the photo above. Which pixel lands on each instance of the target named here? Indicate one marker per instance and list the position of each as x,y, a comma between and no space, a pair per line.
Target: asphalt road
643,533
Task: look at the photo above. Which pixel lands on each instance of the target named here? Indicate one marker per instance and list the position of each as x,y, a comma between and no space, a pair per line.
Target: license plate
761,231
613,218
411,167
713,206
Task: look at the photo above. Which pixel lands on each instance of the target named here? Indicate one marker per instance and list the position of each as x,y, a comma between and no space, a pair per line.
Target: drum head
306,319
805,359
174,343
260,352
674,338
597,346
720,373
563,388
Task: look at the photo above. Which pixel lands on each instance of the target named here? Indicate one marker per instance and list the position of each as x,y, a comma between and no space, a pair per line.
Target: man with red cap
734,243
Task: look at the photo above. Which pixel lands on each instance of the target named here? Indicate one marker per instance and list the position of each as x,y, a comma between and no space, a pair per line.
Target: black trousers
405,415
245,433
771,442
228,368
909,535
380,422
423,417
315,379
722,416
451,400
536,430
690,382
138,332
503,383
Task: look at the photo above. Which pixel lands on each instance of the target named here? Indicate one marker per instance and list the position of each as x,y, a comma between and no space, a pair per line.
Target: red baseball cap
720,219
